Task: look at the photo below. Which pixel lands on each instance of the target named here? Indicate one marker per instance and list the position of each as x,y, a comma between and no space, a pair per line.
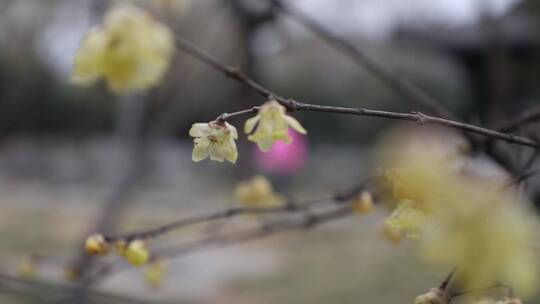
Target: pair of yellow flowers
132,52
216,139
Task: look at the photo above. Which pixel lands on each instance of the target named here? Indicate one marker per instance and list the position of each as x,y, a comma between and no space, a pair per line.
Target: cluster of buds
135,251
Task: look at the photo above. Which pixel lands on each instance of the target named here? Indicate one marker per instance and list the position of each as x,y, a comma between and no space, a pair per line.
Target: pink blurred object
284,159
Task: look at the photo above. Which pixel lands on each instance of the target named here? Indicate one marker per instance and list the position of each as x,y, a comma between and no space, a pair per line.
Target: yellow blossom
96,245
434,296
137,253
154,272
131,51
214,139
407,218
486,234
363,203
272,125
27,268
257,192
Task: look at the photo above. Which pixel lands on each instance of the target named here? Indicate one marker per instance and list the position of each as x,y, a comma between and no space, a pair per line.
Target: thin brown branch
307,221
528,116
47,292
401,86
288,207
292,105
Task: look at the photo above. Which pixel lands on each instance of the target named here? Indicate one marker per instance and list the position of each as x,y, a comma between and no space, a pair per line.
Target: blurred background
73,159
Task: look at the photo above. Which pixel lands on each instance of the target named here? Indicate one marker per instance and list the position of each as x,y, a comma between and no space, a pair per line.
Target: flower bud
96,245
121,247
363,203
137,253
434,296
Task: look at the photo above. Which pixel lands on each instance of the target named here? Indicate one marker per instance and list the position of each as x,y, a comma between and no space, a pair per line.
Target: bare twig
290,206
528,116
292,105
398,84
308,220
47,292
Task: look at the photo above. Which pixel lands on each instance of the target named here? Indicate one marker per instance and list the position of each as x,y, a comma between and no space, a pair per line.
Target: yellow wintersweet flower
215,139
96,245
363,203
131,51
485,233
408,219
154,272
272,125
137,253
420,174
257,192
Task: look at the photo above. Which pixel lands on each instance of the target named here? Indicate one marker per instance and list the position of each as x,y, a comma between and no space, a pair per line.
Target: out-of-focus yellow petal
131,51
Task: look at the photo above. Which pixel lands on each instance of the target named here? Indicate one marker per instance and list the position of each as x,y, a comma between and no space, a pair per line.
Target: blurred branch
310,219
528,116
292,105
47,292
291,206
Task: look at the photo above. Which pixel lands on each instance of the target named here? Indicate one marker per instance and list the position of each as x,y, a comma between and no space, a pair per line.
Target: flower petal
293,123
250,124
201,150
198,130
232,129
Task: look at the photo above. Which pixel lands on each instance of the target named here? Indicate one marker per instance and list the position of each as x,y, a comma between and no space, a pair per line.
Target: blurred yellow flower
214,139
272,125
154,272
257,192
131,51
462,220
486,234
363,203
27,268
96,245
137,253
408,219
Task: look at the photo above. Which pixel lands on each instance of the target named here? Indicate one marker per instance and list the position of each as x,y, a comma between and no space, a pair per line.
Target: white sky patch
379,18
61,38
